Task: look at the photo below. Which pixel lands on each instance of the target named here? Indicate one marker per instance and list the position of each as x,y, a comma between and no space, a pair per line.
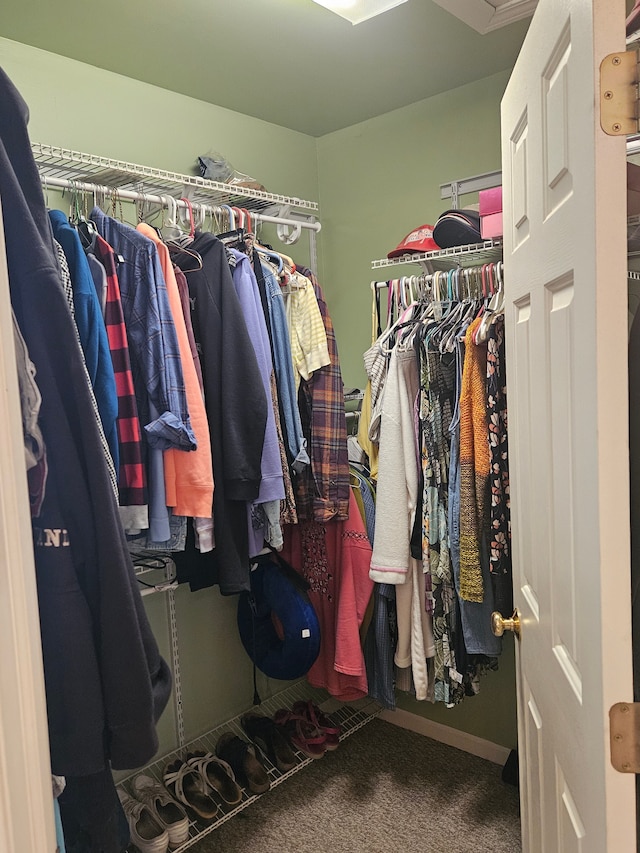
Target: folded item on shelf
215,167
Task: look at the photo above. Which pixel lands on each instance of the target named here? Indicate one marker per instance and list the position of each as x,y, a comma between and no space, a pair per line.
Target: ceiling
290,62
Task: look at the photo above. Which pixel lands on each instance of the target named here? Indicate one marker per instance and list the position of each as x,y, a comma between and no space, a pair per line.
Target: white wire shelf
155,572
54,162
350,718
474,254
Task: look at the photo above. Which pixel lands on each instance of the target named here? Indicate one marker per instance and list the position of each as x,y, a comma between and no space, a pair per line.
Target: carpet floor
384,790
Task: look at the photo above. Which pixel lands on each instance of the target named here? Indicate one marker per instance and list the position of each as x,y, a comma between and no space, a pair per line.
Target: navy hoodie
106,683
237,411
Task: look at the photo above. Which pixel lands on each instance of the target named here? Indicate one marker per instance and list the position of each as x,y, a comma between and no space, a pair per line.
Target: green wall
375,182
92,110
381,179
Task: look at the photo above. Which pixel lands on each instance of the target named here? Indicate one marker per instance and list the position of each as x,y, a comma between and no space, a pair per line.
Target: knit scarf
474,465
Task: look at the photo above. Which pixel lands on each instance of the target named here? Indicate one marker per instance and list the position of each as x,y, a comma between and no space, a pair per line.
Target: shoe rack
349,717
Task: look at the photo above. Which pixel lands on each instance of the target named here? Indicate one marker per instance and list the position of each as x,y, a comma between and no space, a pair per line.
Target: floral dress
500,512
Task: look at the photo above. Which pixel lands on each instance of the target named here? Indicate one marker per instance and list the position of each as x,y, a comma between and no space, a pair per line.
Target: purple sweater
272,484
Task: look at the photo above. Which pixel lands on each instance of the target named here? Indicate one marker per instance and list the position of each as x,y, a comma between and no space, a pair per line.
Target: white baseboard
445,734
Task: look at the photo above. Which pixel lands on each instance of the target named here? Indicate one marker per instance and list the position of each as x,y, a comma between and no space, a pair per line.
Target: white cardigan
397,490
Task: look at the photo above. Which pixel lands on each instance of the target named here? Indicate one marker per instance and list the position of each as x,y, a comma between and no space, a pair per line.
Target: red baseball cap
419,240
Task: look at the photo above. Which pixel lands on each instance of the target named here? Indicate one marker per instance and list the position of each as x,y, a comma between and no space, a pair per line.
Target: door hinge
624,732
619,93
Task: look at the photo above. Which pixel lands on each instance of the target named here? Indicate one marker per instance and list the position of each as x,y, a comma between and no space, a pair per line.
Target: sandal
270,739
320,720
187,786
217,774
241,757
304,736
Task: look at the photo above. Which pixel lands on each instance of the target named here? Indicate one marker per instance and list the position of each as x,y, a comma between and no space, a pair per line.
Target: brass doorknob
499,624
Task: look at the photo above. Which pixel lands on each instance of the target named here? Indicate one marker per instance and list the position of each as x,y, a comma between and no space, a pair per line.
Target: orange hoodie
188,476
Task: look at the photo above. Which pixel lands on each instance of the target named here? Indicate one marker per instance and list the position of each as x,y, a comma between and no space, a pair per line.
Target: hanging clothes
35,451
475,618
451,420
188,476
307,332
231,378
322,489
397,491
500,509
183,290
283,363
271,484
155,360
93,335
475,465
132,479
334,558
152,336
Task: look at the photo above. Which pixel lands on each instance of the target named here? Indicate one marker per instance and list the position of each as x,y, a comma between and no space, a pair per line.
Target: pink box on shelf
491,226
490,201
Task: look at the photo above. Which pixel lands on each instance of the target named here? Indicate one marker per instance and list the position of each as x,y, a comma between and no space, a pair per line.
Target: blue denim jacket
283,363
153,342
91,328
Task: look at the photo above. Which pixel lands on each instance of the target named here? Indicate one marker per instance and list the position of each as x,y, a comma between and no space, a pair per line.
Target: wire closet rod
130,195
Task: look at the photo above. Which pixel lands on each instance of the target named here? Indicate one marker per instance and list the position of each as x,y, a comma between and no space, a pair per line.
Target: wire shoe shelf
350,717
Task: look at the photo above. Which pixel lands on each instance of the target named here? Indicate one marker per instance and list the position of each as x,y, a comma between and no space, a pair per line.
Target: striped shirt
132,479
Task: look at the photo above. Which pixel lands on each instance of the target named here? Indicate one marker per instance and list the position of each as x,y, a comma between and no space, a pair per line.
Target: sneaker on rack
169,813
146,832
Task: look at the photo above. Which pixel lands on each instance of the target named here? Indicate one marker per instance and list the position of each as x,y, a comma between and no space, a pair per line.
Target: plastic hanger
272,256
86,229
494,309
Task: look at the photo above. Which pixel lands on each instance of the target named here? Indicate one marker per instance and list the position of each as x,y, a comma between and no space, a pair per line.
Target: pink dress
335,559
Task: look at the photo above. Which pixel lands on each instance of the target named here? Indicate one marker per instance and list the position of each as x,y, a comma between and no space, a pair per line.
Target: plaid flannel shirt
322,489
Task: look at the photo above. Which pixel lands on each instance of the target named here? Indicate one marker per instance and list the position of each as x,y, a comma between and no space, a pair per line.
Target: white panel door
566,316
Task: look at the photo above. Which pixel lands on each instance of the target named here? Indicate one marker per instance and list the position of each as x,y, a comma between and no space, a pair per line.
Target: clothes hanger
173,236
235,237
184,238
271,255
494,309
231,215
85,228
170,229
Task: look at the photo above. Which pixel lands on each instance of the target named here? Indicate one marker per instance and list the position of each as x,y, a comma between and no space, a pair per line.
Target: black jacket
105,680
237,411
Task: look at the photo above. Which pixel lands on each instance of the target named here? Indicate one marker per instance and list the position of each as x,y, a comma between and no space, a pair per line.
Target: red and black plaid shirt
132,482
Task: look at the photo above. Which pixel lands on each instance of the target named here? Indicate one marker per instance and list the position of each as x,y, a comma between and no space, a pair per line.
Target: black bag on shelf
457,228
